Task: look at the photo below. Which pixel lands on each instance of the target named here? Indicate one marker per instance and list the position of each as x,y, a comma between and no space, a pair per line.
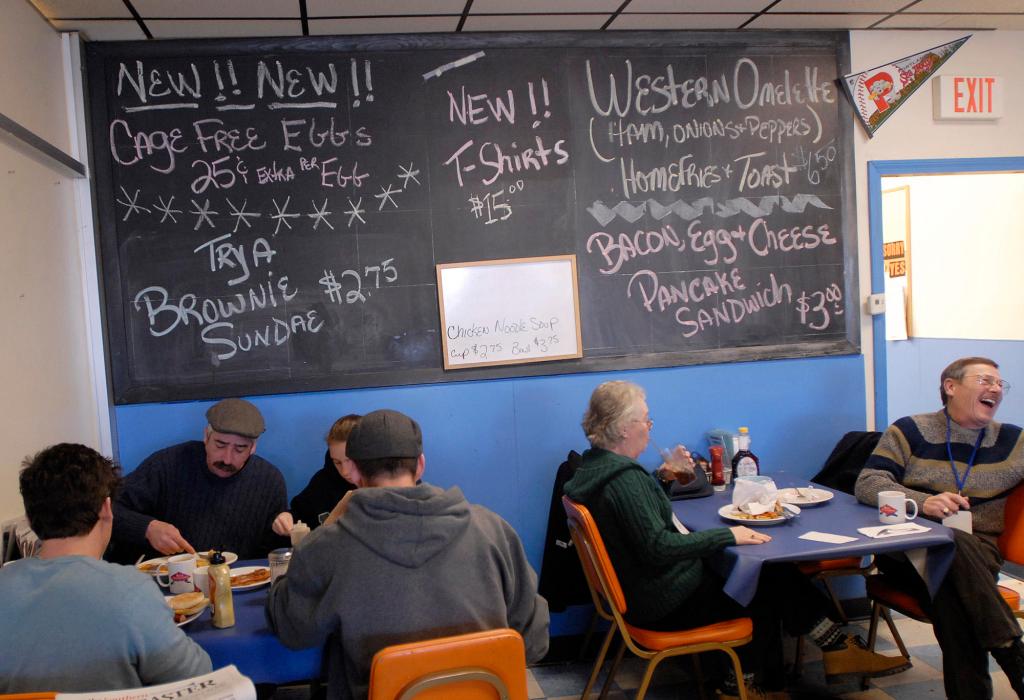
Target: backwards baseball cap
237,417
385,433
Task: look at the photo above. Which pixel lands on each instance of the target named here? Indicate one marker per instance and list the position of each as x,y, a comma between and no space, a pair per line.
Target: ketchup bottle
717,468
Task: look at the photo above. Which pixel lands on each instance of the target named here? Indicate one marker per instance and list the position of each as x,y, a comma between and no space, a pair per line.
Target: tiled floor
673,679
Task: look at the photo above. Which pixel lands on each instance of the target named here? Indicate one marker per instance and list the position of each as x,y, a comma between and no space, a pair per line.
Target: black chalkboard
271,211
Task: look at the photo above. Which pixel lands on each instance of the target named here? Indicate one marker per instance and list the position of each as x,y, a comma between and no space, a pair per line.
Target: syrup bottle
745,462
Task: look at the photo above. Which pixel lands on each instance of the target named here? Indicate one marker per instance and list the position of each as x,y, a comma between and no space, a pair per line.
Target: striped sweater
912,457
658,566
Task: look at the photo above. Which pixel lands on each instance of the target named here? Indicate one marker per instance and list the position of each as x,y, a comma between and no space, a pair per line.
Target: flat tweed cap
237,417
385,433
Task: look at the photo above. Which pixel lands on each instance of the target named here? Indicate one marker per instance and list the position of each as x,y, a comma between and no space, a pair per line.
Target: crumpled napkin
754,496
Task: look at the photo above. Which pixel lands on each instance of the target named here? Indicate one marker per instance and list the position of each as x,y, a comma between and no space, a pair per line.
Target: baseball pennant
877,93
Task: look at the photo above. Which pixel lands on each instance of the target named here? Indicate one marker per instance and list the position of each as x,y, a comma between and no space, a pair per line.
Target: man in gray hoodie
405,561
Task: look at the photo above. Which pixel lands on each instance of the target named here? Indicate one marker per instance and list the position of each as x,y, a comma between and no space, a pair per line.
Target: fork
895,530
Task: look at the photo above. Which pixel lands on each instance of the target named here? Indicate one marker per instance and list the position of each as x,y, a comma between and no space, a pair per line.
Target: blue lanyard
952,463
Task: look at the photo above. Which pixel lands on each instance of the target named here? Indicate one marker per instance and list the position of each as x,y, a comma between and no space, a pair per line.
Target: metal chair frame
660,645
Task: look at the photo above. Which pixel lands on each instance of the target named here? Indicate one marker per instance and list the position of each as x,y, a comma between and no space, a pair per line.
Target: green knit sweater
658,566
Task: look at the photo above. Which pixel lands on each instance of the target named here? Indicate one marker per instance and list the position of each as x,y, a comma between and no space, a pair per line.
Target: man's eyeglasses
989,381
649,421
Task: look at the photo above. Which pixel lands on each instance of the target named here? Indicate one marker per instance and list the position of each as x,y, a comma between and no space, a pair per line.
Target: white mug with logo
892,507
181,570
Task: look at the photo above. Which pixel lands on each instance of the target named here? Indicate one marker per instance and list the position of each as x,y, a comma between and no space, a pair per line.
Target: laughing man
959,461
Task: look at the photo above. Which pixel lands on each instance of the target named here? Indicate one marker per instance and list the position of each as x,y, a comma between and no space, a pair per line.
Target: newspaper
223,684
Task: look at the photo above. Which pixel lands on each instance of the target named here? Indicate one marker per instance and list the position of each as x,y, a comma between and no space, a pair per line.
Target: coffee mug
181,569
202,580
892,507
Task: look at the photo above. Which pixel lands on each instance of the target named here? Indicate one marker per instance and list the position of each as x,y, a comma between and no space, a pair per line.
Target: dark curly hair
63,488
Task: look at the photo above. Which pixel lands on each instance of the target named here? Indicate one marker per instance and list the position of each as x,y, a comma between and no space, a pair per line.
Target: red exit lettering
972,95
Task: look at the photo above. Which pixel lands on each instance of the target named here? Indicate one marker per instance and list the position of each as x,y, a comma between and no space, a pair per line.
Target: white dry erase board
504,312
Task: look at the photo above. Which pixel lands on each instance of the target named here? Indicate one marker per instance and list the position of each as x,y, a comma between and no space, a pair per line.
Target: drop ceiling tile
369,8
959,6
218,29
816,21
908,21
905,21
516,23
514,6
839,5
697,6
383,25
102,30
221,8
681,21
54,9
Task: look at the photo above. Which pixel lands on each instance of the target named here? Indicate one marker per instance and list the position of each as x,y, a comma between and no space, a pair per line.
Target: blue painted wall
502,440
914,367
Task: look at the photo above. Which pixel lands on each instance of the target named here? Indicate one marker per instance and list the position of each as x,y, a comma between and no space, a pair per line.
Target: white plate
229,559
805,496
188,619
242,570
728,512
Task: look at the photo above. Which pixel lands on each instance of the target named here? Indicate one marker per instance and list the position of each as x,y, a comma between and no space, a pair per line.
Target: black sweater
175,485
321,494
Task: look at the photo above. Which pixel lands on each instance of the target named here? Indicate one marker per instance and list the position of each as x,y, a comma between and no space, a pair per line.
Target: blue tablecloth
250,645
741,565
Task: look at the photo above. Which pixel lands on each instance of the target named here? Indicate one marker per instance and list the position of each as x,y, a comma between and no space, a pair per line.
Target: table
741,565
250,645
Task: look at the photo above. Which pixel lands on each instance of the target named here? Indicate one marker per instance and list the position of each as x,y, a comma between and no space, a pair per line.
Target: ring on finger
945,511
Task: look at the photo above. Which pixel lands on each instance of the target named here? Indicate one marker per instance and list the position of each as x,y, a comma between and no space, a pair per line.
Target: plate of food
780,514
245,577
158,565
187,606
805,496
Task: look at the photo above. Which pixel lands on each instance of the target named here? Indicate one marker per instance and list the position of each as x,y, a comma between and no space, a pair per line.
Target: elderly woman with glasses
660,564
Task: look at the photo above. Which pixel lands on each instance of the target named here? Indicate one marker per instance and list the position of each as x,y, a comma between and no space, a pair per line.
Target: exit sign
967,97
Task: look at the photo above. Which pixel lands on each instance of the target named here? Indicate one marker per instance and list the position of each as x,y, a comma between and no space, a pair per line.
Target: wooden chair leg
591,628
798,659
613,669
599,661
738,670
835,600
895,632
698,674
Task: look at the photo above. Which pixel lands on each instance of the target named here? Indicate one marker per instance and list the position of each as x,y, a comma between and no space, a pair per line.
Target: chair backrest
1011,542
597,565
488,664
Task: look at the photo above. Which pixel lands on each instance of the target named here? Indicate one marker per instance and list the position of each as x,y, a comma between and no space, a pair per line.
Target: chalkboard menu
271,212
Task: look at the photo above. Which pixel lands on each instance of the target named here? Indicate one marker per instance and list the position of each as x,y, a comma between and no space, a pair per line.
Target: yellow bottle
220,592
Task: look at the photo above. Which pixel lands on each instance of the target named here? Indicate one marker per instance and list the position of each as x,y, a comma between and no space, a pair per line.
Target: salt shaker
278,561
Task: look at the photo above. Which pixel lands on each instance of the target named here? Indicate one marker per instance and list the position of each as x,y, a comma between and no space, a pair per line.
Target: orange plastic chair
886,595
42,695
652,645
474,666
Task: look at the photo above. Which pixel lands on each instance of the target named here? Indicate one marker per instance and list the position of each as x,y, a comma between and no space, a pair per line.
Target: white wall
911,133
44,371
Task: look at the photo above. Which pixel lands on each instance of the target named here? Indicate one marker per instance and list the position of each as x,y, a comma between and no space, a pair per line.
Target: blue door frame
877,169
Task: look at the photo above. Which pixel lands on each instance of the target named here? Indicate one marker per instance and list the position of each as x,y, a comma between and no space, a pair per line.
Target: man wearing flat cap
214,494
405,561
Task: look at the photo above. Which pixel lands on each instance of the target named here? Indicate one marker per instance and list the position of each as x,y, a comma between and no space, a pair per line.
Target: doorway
977,321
